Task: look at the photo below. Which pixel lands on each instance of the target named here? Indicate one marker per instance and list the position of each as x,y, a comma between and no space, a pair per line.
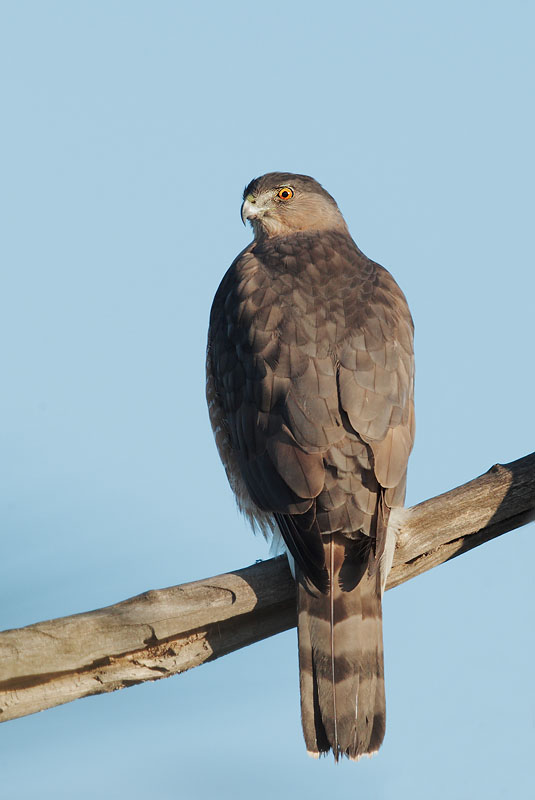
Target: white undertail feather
277,546
396,521
371,754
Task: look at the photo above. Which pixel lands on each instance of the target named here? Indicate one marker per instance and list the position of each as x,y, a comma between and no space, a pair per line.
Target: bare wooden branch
164,632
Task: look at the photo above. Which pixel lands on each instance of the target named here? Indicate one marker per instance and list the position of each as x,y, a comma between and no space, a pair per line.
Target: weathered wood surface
164,632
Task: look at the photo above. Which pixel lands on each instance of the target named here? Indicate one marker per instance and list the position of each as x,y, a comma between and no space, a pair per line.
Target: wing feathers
310,389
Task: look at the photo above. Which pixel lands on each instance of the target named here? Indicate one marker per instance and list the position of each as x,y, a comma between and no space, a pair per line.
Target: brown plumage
310,390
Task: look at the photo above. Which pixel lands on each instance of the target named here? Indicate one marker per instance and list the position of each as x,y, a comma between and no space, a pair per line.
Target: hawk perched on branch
310,379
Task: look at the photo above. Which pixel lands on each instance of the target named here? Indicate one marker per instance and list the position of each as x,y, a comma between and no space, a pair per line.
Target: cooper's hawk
310,379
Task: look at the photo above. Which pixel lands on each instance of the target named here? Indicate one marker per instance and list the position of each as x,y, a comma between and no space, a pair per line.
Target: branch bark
161,633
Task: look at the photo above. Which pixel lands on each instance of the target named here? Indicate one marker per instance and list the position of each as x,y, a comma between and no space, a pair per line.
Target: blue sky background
128,132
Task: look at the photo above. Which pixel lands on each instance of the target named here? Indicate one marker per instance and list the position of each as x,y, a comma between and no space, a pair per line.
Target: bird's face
281,203
274,205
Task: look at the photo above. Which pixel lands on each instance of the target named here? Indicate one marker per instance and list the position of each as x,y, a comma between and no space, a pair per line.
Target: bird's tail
341,654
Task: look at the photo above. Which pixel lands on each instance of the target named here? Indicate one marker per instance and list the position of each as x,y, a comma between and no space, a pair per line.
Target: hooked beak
248,209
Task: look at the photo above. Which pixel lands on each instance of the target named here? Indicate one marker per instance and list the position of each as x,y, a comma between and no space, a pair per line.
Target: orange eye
285,193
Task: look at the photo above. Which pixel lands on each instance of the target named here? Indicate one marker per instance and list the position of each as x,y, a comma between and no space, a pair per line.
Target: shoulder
244,262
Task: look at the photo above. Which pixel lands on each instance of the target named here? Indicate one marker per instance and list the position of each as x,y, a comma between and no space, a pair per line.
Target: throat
269,227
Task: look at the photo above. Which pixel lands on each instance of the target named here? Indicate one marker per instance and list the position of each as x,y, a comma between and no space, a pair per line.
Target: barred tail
341,655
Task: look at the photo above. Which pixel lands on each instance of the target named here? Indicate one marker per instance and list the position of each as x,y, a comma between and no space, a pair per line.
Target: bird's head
281,203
